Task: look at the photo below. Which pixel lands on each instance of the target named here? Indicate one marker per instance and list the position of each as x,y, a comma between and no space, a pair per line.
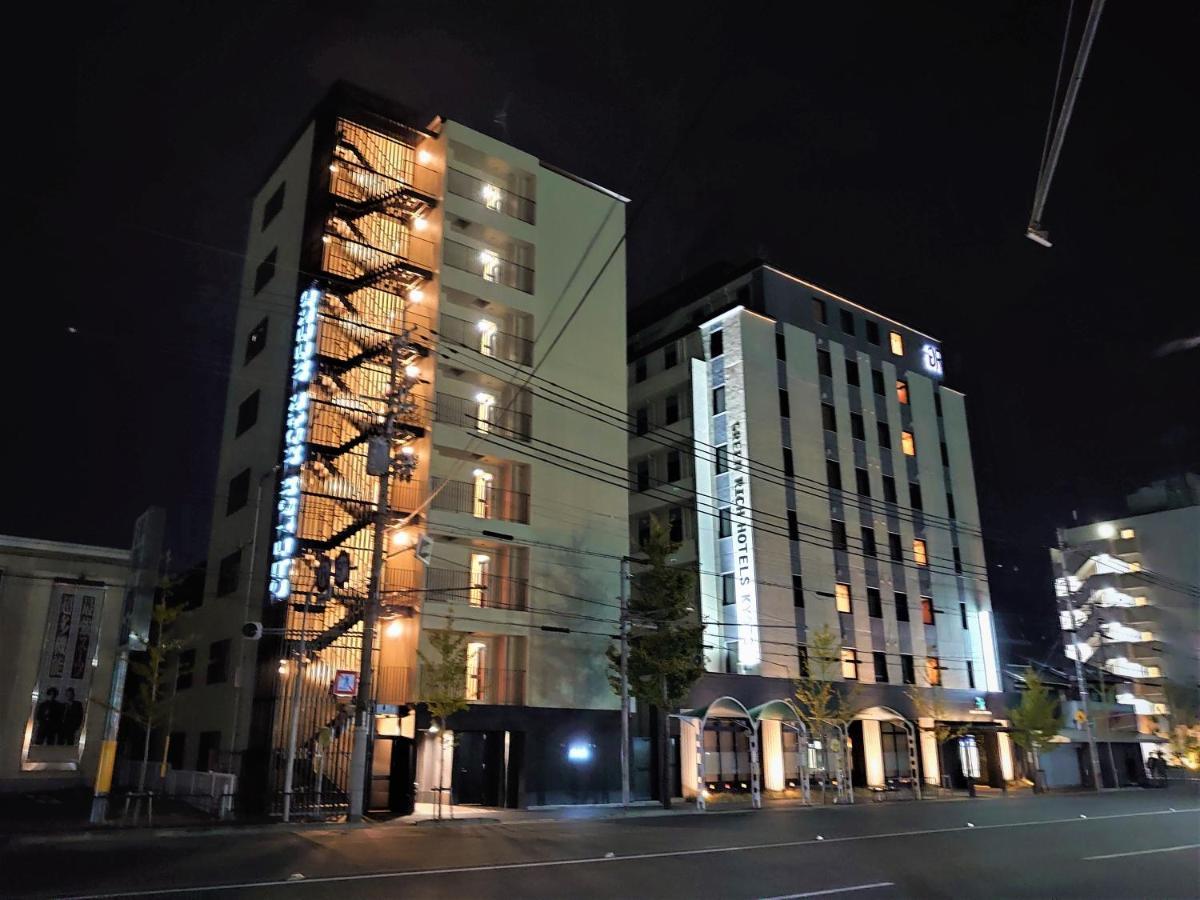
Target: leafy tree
665,654
930,703
1036,720
444,685
153,698
825,707
1184,704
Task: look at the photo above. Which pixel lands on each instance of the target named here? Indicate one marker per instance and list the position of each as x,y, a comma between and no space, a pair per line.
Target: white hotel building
812,462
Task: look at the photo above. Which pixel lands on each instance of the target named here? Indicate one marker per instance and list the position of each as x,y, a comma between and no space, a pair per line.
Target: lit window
1153,671
483,493
933,670
849,664
927,610
1160,709
1135,567
1141,601
902,392
897,343
480,564
483,411
487,337
491,196
842,593
1127,534
907,444
476,653
919,554
1147,635
490,265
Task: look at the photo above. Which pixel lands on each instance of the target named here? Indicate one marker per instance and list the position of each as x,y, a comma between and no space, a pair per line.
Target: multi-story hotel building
1133,611
816,469
377,232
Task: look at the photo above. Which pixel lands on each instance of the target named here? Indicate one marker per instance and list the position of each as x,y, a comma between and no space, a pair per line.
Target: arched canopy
778,711
721,708
881,714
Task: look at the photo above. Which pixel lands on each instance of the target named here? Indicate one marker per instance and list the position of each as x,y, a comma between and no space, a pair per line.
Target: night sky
886,152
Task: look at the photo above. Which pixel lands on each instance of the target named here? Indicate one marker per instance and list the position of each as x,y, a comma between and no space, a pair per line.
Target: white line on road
632,857
1144,852
841,890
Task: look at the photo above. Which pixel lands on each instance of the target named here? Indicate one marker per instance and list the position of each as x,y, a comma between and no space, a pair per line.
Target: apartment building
1129,605
816,469
393,256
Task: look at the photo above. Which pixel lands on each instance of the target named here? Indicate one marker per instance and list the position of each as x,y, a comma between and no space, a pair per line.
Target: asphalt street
1125,844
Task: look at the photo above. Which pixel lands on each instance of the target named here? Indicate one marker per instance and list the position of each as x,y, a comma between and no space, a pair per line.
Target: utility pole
1080,679
625,682
1104,700
294,712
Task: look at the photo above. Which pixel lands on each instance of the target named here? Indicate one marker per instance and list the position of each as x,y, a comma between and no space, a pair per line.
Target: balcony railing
492,503
359,262
486,194
498,687
488,265
501,345
355,182
475,416
491,591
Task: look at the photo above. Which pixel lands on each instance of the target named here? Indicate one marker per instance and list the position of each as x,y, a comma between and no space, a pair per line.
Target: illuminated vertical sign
295,441
931,359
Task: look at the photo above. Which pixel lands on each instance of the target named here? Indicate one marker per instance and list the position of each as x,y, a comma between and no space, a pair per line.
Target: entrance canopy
778,711
721,708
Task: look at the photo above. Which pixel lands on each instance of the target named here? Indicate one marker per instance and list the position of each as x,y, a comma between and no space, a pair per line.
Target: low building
62,606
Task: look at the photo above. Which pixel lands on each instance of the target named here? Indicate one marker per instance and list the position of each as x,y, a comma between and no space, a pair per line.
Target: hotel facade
811,462
393,257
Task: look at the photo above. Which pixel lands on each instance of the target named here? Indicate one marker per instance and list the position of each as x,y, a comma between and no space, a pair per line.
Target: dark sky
887,152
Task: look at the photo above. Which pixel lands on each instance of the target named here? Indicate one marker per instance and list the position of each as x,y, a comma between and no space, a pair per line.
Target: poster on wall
54,735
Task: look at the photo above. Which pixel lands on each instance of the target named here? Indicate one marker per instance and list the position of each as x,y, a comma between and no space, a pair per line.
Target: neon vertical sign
295,442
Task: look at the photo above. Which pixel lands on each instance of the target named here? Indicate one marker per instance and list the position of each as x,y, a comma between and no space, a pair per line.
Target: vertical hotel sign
295,442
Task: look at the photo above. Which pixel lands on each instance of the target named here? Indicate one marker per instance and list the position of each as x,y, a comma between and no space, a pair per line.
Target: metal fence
501,345
494,503
466,412
488,265
493,197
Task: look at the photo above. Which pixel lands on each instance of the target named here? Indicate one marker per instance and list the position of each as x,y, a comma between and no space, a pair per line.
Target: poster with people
56,725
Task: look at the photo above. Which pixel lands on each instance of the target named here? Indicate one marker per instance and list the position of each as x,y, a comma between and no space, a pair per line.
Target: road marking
841,890
591,860
1144,852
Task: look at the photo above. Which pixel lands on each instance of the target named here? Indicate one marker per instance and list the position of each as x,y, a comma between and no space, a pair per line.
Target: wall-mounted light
400,538
394,629
333,167
579,753
420,223
416,295
413,371
1106,530
424,157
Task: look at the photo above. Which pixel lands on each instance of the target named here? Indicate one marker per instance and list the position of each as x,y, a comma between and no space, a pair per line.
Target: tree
825,707
930,703
1183,701
444,686
1036,720
665,652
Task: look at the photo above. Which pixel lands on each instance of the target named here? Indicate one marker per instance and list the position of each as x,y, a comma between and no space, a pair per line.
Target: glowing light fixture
420,223
401,538
433,729
1127,534
424,157
394,629
1106,530
333,167
412,371
416,295
579,753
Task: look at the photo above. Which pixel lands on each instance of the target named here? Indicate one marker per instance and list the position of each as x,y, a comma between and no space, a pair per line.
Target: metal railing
489,195
491,592
465,413
499,687
355,182
493,503
501,345
488,265
353,260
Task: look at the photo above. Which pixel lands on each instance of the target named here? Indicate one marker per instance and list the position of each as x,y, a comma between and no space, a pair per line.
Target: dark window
728,589
780,347
716,344
857,430
247,413
962,612
819,311
722,461
945,454
793,525
256,340
639,370
265,271
885,435
914,496
833,474
927,610
802,655
824,363
838,530
797,590
862,480
239,491
641,421
937,403
958,564
789,468
889,489
672,409
643,531
718,400
643,474
670,356
877,382
873,332
950,505
881,674
208,752
852,372
227,573
874,603
847,321
187,666
724,522
674,465
901,607
828,417
894,546
868,541
218,662
675,520
273,206
908,671
970,675
785,407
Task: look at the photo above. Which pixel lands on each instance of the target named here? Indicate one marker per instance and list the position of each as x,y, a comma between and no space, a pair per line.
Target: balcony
496,687
485,417
361,265
490,195
360,187
493,591
480,499
488,341
488,265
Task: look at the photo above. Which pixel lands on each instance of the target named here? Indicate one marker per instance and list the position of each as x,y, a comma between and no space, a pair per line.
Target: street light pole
1080,679
625,682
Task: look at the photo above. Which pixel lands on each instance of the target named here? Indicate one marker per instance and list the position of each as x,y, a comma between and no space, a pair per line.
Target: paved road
1128,844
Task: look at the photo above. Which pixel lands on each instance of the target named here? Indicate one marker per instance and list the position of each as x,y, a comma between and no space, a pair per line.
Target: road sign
1080,718
345,683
